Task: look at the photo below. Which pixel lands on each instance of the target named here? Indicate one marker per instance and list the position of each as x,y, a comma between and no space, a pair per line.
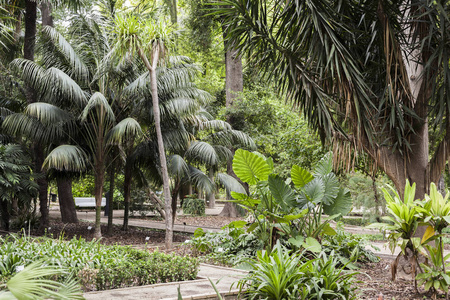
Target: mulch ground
374,278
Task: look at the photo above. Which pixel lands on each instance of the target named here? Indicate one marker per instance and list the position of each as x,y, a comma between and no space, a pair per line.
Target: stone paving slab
224,278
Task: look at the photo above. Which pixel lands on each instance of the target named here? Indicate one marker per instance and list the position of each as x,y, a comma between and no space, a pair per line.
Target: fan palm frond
47,113
177,166
125,130
201,180
100,104
202,152
230,183
66,157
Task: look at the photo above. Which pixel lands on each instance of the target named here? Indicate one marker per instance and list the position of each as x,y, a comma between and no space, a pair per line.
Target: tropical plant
35,282
16,182
294,214
347,65
285,275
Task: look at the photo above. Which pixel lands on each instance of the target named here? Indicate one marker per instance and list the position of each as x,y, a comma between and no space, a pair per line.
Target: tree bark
46,13
30,30
211,196
66,202
99,180
162,154
112,176
126,194
5,216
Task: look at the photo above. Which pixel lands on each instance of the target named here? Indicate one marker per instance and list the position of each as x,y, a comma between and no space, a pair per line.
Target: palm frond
230,183
177,166
66,158
201,180
78,68
126,130
47,113
103,111
202,152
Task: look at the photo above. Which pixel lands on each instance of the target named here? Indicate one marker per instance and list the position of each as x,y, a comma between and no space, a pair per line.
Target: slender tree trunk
112,176
175,193
161,150
99,180
30,30
211,196
66,202
126,194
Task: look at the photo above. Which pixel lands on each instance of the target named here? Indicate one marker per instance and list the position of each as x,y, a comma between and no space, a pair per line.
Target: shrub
282,275
193,206
97,266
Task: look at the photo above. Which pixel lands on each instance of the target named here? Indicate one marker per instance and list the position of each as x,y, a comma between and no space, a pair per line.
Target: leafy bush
97,266
282,275
230,246
348,248
193,206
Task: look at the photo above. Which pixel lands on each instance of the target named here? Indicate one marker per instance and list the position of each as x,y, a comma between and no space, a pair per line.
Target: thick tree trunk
112,176
126,194
30,30
46,13
5,216
66,202
162,154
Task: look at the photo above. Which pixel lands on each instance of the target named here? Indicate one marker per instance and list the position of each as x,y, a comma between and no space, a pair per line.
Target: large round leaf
250,167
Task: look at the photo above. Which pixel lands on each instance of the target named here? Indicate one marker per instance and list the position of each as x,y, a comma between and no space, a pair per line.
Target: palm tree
374,74
94,116
150,37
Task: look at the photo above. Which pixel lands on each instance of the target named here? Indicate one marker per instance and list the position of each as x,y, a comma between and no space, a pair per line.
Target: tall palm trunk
161,150
112,183
211,196
98,190
28,53
66,203
127,194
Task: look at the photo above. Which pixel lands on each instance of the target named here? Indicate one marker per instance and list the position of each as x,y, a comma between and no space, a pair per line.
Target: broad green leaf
328,230
300,177
252,227
297,241
250,167
236,224
325,165
429,232
331,188
281,192
199,232
315,190
341,205
239,196
312,245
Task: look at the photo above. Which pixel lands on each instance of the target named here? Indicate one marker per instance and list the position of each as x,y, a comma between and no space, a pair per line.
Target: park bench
87,202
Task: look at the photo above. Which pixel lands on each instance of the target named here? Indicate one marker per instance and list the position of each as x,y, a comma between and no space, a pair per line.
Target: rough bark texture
46,13
126,194
66,202
234,80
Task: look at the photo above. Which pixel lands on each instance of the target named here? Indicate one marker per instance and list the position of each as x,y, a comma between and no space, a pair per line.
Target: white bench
87,202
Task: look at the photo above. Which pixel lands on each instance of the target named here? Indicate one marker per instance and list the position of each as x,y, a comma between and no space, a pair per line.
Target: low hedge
97,266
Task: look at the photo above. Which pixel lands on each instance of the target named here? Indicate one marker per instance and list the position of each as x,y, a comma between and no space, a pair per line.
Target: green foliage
37,281
284,275
193,206
279,210
230,246
97,266
348,249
